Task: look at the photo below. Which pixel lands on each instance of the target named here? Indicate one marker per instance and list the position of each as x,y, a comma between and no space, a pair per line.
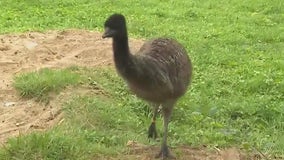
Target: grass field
236,97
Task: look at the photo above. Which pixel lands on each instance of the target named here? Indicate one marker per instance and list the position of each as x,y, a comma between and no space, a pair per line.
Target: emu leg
167,112
152,131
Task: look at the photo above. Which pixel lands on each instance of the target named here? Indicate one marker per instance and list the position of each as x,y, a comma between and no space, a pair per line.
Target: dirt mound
32,51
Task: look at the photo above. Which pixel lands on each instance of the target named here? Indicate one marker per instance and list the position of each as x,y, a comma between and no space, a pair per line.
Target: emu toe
165,154
152,132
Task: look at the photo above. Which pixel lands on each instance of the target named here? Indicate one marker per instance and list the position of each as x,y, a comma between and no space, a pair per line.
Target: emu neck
121,51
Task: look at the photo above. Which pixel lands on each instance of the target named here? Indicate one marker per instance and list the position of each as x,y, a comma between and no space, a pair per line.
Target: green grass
236,98
40,84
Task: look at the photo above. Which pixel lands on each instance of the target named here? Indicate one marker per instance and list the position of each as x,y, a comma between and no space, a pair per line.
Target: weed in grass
40,84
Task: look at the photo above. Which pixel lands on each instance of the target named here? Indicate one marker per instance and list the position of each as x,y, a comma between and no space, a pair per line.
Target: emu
160,72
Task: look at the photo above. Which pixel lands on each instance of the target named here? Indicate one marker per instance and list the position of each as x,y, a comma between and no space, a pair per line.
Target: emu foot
165,154
152,132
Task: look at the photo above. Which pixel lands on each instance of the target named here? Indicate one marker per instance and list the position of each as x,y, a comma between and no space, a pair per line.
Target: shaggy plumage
159,73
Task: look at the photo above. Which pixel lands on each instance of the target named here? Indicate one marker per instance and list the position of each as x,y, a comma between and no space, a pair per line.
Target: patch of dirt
146,152
35,50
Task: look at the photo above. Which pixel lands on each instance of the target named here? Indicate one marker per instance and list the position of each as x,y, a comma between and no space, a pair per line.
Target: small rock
30,45
19,124
9,104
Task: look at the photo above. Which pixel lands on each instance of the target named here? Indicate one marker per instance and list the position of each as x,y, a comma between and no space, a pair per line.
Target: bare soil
32,51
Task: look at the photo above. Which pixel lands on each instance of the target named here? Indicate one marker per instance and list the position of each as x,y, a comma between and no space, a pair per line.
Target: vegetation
40,83
236,98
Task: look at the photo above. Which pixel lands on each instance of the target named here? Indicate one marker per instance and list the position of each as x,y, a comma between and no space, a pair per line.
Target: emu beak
108,33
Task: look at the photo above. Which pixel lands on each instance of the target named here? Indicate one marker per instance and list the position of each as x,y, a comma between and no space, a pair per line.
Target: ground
58,49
